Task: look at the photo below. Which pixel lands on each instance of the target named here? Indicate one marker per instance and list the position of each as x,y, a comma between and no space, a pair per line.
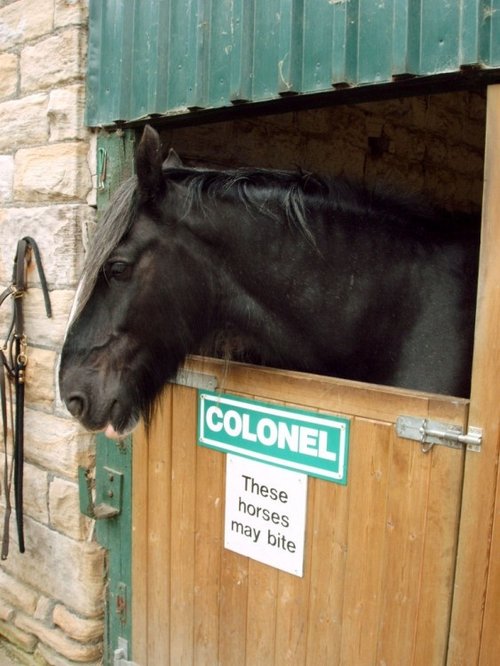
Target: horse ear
173,160
148,165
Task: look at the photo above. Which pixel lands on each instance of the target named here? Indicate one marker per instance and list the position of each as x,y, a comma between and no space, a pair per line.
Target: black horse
285,269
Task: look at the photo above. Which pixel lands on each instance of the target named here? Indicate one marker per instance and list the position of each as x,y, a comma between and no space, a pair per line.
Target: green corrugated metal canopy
189,58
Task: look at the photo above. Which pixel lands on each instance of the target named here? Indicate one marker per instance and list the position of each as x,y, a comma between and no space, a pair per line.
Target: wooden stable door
401,564
379,552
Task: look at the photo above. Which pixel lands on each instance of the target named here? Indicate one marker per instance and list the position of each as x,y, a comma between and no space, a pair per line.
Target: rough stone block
8,80
476,106
57,172
70,12
39,329
17,594
40,377
66,113
71,572
403,142
6,177
64,509
441,120
6,611
26,120
55,61
78,628
57,231
50,658
55,639
23,639
44,331
57,444
466,160
20,657
25,20
327,158
35,493
44,609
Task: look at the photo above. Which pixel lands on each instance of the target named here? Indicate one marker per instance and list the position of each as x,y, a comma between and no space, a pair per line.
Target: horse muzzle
96,407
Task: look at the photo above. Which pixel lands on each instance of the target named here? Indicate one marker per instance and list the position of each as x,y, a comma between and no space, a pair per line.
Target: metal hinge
429,433
120,655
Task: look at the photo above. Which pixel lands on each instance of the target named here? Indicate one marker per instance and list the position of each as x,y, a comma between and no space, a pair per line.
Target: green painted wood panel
115,163
241,52
290,46
115,153
176,57
115,535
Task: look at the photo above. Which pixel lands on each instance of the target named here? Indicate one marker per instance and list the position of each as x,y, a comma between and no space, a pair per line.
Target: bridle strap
41,275
7,478
20,375
13,359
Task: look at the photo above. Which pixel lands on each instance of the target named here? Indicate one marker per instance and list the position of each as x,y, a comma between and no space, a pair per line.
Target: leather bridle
13,358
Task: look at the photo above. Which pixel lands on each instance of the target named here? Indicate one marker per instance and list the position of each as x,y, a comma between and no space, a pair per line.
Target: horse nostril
76,404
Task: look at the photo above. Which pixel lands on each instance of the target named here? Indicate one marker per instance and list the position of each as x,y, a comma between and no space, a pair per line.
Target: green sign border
335,471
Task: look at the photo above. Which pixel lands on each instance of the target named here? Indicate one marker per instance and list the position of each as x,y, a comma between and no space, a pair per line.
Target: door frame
474,635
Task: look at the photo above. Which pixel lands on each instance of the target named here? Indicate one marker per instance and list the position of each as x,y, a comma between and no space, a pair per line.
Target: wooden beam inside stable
474,635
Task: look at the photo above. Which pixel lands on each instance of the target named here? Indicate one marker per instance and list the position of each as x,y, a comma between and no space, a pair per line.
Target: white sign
265,513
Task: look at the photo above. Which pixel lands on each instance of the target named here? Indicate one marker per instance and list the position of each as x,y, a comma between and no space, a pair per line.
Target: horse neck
252,258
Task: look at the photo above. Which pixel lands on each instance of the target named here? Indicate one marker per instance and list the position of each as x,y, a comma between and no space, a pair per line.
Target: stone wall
432,145
51,598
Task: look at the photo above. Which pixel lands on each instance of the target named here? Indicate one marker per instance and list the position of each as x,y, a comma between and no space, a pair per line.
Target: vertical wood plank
293,601
208,547
183,509
439,556
262,613
159,534
402,558
366,536
292,620
233,608
328,563
140,456
490,640
473,620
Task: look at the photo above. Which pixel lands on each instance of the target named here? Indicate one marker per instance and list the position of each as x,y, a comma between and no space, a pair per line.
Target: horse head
303,273
141,303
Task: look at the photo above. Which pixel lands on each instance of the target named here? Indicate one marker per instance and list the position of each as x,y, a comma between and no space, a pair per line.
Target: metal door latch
429,433
192,379
120,655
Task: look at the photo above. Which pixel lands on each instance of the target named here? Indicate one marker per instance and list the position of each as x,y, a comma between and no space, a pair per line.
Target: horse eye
117,270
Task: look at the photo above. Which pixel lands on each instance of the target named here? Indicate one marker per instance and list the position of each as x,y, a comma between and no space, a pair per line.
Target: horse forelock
116,221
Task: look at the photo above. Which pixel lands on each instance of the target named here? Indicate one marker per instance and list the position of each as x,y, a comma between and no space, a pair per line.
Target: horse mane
289,195
271,193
